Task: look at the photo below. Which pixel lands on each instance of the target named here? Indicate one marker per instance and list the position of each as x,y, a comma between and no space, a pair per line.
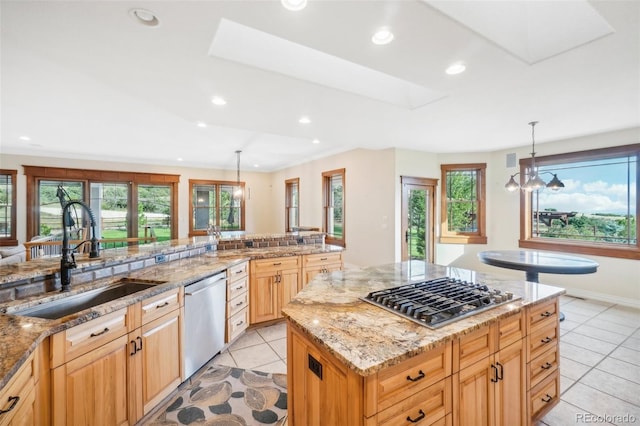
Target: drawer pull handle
277,264
417,419
14,401
323,258
106,329
240,323
239,303
240,287
546,366
240,272
546,314
546,340
420,376
163,305
547,398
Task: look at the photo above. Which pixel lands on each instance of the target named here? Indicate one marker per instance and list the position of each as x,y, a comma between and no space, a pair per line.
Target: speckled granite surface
367,338
19,336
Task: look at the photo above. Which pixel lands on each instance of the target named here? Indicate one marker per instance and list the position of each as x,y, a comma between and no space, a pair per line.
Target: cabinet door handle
420,376
417,419
134,349
546,366
494,379
547,398
546,314
277,264
546,340
106,329
500,371
239,323
139,339
163,305
14,401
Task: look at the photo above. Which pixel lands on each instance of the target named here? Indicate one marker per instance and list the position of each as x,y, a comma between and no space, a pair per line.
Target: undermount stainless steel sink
79,302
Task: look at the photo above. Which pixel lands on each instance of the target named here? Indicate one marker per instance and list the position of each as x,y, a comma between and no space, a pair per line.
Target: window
291,207
462,202
125,204
216,203
8,207
596,211
333,218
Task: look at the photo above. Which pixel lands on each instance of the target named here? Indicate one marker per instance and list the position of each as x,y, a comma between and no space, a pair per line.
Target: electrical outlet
208,247
161,258
315,366
248,244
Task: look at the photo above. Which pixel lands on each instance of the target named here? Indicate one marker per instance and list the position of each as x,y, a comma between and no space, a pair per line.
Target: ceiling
85,80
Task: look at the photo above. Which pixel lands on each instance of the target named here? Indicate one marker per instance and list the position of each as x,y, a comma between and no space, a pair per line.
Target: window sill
462,239
605,250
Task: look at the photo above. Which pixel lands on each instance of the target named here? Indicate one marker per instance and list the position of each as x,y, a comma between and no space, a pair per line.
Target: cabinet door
25,415
160,352
92,389
510,394
263,304
475,395
288,284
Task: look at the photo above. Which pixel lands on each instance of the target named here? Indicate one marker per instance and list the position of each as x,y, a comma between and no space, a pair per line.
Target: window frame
288,185
326,199
12,239
572,246
454,237
35,174
217,184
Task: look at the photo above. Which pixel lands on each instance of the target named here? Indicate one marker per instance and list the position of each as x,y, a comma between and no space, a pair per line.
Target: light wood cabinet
273,283
237,300
113,370
19,402
543,359
321,263
490,388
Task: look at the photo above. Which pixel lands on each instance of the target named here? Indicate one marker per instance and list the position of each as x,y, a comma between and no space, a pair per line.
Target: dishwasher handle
203,285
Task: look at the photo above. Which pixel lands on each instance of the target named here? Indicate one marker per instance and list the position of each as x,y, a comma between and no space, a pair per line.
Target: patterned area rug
230,396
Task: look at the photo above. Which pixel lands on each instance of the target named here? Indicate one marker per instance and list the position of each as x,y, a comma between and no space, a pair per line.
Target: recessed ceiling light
179,159
304,120
144,17
256,165
456,68
382,36
201,124
24,138
294,5
218,100
315,141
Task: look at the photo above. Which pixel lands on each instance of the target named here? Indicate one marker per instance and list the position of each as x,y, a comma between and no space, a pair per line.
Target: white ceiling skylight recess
532,30
246,45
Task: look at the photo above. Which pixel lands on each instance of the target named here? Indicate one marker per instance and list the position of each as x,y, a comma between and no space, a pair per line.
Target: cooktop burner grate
435,303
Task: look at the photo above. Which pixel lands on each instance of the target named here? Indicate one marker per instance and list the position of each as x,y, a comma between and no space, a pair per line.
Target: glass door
418,206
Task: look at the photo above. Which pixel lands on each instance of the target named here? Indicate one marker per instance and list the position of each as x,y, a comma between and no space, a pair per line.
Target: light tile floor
599,362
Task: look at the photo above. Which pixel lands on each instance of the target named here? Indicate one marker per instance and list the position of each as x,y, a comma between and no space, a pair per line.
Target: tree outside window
8,207
462,204
333,183
216,204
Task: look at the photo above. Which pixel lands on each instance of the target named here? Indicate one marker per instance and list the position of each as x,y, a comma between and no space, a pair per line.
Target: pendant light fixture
535,182
238,191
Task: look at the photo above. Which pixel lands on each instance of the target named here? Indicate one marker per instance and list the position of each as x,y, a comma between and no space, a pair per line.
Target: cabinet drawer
426,406
473,347
312,260
511,329
237,287
86,337
276,264
237,324
238,271
398,382
237,304
544,396
160,304
19,393
541,340
542,366
541,315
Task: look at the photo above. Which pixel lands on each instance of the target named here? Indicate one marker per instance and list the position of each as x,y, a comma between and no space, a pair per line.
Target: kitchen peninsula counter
20,336
367,338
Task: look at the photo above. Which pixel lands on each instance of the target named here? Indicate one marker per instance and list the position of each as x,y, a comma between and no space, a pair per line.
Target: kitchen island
353,363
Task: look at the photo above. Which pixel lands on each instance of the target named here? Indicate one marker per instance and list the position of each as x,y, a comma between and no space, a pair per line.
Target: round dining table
534,262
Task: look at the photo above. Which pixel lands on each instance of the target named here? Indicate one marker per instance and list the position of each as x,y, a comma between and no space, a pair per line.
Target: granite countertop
19,336
367,338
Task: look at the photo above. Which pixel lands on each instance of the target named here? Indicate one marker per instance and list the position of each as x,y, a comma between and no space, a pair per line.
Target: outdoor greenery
417,214
610,228
461,200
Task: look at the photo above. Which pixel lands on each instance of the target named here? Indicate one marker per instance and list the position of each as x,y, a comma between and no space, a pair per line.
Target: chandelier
534,182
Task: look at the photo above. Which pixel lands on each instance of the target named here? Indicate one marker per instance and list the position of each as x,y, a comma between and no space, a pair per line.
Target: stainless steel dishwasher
204,321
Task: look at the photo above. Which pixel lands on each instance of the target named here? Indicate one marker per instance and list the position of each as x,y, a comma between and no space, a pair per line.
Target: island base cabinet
326,393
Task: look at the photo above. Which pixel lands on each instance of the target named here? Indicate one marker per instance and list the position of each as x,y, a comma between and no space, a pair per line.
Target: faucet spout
68,260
